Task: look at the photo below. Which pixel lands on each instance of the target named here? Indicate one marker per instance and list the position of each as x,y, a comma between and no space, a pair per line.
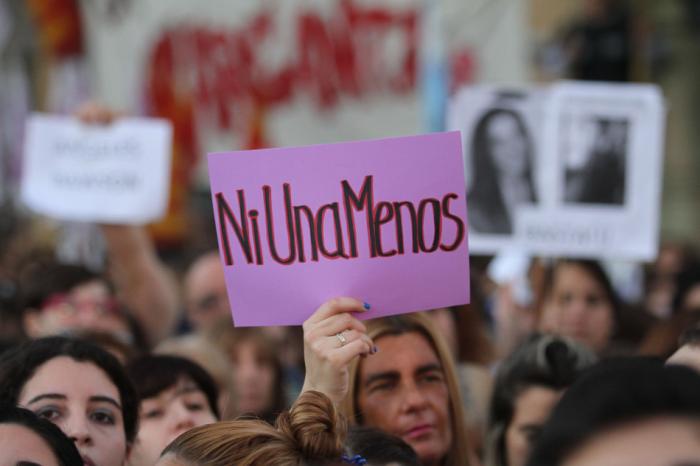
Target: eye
52,413
532,433
103,417
154,413
381,387
194,406
593,300
432,377
565,298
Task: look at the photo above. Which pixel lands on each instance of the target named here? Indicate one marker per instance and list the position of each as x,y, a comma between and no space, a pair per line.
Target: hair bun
315,426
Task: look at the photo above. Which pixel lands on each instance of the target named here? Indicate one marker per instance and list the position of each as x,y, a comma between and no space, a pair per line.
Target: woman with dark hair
528,384
580,303
26,439
501,171
629,411
176,395
379,448
79,387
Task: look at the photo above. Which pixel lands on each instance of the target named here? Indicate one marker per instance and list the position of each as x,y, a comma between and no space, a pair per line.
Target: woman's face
84,403
531,410
254,378
167,415
578,308
20,445
507,144
402,390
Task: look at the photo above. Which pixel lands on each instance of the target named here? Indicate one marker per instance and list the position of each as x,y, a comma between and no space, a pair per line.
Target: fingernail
366,306
375,349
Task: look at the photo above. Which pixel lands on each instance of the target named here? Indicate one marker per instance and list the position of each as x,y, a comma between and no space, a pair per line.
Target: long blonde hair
312,432
459,453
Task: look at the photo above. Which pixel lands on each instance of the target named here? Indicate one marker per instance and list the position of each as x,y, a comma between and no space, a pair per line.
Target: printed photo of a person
594,168
502,153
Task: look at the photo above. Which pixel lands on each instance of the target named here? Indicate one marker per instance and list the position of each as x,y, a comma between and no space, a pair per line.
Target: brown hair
312,432
229,338
459,451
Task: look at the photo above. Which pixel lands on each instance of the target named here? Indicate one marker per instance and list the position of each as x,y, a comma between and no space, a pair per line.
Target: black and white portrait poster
584,178
501,137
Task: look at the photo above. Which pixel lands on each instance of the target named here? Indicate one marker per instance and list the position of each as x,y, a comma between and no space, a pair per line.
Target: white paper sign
117,173
571,169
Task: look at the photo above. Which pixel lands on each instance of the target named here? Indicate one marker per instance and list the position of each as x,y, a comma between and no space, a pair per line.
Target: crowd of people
139,363
578,384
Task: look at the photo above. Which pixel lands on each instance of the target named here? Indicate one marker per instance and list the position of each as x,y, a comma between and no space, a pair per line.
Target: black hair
17,367
615,392
687,279
543,360
153,374
41,279
379,448
595,270
62,447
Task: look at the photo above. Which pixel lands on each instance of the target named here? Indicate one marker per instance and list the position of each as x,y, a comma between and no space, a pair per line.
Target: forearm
142,281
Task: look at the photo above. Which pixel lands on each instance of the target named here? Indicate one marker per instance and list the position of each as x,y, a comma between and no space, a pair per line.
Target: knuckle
334,302
316,346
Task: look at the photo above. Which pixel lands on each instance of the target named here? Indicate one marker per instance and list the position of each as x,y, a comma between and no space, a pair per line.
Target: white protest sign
117,173
575,168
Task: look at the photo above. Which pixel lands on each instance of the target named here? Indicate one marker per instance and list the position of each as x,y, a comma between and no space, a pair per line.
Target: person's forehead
183,386
65,375
205,275
403,353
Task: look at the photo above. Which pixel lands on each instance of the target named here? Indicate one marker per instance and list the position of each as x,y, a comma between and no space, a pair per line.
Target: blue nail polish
366,306
375,349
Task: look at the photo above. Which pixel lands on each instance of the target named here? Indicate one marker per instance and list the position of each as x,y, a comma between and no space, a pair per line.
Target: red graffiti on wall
355,52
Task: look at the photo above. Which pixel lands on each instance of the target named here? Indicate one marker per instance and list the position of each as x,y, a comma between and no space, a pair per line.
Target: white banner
111,174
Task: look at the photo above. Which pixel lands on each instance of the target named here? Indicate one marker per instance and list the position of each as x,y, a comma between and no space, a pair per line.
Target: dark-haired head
61,446
153,374
379,448
176,395
580,303
534,374
67,300
40,280
18,367
616,394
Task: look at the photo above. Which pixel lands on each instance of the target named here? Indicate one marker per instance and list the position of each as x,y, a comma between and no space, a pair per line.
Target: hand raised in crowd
143,283
333,337
95,113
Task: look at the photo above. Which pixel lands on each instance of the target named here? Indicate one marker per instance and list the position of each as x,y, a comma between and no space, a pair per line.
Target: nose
413,399
77,429
576,312
182,417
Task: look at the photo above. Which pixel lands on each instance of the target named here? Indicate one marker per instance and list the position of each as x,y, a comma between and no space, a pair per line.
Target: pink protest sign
383,221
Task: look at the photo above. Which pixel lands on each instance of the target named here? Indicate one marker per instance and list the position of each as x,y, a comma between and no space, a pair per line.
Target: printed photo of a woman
502,153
